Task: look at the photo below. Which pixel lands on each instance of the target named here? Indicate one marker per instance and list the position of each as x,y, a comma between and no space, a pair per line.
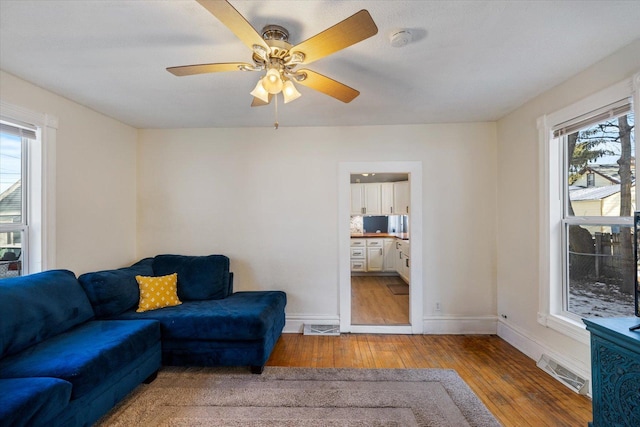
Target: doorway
413,170
380,248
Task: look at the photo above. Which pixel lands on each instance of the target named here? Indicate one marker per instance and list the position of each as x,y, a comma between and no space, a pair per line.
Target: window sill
566,326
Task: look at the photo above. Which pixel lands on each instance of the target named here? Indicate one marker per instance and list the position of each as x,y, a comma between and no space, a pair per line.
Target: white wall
518,216
95,179
269,200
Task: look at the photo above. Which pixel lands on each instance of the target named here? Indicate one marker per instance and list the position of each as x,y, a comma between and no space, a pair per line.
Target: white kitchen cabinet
375,243
386,198
380,198
397,255
365,199
401,197
357,199
381,255
403,266
359,265
375,259
358,252
375,254
389,263
358,243
372,199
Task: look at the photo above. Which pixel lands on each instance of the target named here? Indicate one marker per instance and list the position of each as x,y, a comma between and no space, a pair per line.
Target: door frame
416,306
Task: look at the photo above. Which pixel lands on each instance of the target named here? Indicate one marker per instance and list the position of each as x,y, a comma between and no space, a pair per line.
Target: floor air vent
572,380
321,329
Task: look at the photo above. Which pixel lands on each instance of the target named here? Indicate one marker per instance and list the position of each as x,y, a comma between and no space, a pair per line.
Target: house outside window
587,202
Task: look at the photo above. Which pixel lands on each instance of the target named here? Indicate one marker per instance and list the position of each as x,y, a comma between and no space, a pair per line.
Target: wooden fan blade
352,30
230,17
257,102
189,70
328,86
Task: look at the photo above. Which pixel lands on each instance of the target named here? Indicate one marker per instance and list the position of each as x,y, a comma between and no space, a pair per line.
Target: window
14,228
587,200
27,190
598,268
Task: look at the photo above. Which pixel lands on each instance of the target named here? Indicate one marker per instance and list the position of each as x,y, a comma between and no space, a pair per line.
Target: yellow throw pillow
158,292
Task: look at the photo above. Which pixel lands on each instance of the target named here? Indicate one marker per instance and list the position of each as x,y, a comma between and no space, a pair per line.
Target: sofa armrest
230,291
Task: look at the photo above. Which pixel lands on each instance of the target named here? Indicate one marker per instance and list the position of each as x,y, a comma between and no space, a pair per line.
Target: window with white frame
587,202
14,218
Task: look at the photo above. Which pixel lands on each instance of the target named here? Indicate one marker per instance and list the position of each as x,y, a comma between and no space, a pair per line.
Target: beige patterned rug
302,397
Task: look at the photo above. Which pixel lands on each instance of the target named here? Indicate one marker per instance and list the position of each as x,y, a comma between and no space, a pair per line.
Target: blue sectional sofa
60,366
71,348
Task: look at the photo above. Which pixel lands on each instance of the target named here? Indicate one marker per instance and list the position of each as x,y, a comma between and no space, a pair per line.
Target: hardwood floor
510,384
372,303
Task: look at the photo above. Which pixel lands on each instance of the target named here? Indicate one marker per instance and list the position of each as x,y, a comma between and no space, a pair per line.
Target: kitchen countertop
403,236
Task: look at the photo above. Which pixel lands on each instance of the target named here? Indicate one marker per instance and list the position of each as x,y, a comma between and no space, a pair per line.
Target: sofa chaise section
239,330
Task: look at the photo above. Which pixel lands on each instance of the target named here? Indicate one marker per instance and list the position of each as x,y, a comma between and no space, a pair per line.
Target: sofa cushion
87,355
199,277
241,316
32,401
39,306
112,292
157,292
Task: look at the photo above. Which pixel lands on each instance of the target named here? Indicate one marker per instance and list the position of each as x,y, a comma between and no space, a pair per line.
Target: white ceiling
469,61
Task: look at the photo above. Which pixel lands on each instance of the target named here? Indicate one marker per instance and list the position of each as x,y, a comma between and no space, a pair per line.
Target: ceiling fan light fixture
260,92
289,92
272,82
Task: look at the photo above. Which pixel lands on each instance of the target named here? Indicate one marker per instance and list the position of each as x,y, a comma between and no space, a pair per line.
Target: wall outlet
437,306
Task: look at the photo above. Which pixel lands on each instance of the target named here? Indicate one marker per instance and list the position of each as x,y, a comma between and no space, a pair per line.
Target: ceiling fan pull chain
275,124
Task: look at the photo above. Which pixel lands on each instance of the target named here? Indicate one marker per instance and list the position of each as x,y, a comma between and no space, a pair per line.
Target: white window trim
42,170
551,205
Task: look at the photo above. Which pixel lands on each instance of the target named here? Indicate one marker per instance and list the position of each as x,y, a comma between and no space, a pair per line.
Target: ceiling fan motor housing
275,32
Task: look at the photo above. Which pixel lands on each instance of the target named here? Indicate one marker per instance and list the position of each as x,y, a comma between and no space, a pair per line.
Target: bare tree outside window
601,183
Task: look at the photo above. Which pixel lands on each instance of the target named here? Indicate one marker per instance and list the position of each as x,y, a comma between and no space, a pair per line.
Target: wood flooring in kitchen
373,303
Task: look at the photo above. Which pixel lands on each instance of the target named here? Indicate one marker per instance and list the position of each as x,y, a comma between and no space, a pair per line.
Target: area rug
398,288
303,397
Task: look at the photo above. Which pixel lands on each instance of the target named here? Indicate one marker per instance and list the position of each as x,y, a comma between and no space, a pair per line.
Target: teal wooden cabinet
615,371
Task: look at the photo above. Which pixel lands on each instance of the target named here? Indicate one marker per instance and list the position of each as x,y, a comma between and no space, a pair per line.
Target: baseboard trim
295,323
381,329
459,325
437,325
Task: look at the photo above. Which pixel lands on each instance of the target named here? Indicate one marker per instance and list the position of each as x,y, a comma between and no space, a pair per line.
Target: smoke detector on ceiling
400,38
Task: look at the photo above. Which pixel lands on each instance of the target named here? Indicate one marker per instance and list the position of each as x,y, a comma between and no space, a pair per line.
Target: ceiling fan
273,53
